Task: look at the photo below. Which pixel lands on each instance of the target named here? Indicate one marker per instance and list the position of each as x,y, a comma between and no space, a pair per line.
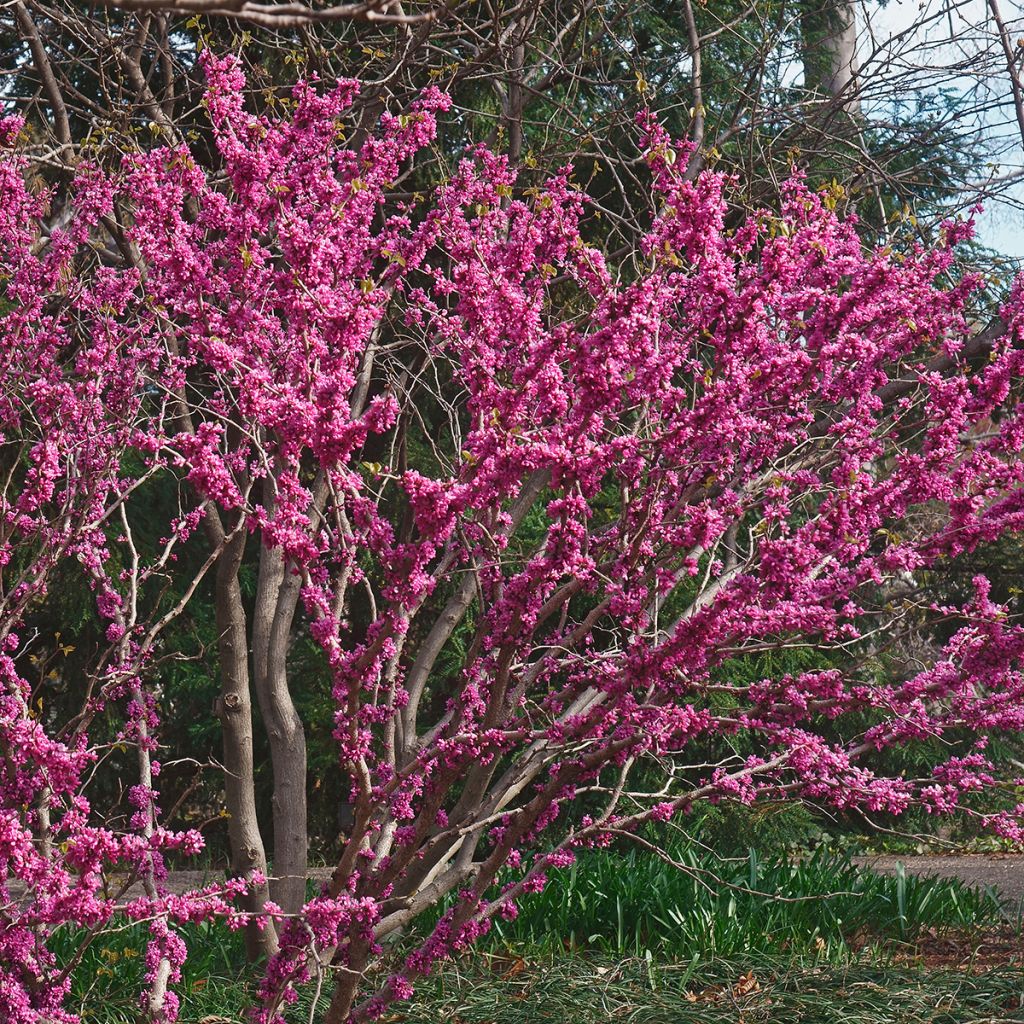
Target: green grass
629,902
588,989
628,930
106,985
592,988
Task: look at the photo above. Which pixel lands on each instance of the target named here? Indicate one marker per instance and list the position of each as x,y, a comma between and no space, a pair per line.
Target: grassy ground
625,937
529,987
585,990
629,902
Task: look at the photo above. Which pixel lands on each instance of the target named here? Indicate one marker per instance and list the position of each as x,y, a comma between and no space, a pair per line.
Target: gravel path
1002,871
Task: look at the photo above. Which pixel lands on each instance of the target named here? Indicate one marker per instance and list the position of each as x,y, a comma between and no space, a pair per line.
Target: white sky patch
910,47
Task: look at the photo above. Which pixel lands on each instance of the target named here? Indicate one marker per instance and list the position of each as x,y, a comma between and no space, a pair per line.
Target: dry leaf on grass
748,983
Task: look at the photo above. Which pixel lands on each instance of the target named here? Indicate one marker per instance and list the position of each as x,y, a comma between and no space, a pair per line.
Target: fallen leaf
748,983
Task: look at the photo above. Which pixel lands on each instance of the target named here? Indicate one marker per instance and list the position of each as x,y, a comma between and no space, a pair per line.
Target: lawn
623,935
584,989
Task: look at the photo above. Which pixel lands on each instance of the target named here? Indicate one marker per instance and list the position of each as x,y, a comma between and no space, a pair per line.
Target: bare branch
275,16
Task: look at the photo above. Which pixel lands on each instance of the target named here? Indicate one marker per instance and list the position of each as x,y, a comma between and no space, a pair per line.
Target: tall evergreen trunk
829,50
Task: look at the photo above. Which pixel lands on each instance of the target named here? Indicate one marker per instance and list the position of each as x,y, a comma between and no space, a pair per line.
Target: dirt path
1003,871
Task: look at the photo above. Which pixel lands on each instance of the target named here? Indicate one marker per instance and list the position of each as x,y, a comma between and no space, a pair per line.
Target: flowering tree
533,508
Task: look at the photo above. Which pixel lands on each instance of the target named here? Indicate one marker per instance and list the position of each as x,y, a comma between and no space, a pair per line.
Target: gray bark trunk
277,595
234,709
829,30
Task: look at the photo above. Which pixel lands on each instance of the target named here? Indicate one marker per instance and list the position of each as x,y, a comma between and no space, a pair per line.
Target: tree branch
274,16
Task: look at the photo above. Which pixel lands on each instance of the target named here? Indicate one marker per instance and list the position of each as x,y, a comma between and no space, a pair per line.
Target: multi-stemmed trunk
234,709
277,595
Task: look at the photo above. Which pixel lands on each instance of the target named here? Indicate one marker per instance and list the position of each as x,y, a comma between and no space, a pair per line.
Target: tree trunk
277,595
234,709
346,986
829,44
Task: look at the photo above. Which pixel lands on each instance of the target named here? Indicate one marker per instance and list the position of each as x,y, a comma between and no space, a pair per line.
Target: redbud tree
533,505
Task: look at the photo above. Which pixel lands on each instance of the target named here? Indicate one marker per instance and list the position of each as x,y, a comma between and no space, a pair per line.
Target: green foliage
627,903
625,933
106,982
774,829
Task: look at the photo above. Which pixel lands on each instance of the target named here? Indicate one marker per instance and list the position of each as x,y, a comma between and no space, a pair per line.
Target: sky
923,42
